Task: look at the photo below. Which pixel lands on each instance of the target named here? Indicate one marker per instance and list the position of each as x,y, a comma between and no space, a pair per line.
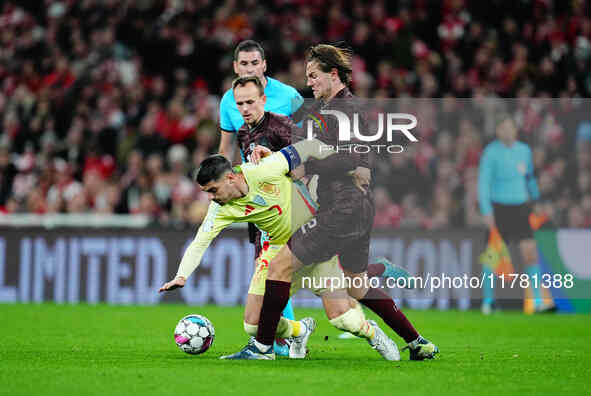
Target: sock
276,297
288,311
354,322
534,273
383,305
376,269
288,328
296,328
358,308
488,293
250,329
367,331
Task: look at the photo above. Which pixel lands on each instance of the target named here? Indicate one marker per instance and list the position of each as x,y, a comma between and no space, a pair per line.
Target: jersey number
309,225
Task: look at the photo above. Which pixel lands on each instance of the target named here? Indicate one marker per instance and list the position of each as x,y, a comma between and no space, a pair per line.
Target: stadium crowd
106,106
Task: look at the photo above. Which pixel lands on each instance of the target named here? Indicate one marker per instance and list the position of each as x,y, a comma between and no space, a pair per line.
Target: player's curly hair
331,57
212,169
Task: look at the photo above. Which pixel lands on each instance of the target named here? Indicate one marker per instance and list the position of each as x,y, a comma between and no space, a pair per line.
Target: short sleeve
225,118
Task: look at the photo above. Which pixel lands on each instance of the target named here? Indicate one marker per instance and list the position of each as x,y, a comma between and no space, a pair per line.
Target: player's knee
336,303
251,329
280,270
350,321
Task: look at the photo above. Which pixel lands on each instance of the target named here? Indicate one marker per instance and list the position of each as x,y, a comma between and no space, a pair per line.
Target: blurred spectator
105,87
7,173
388,214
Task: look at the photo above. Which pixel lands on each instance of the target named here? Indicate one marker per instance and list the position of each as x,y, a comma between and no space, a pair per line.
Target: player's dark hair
248,46
242,81
212,169
330,57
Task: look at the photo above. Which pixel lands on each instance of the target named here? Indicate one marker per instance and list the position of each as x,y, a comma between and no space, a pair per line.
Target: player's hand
298,173
489,220
361,178
258,153
177,282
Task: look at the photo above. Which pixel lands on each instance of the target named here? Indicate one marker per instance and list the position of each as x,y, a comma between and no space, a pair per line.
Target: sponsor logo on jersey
259,200
268,188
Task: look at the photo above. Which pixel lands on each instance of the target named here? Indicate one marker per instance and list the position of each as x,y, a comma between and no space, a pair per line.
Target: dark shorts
513,221
333,233
254,237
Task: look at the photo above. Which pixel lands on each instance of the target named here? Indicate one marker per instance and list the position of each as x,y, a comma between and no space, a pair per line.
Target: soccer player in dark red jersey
343,222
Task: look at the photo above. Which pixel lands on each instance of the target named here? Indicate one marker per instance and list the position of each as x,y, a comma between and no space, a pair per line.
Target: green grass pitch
51,349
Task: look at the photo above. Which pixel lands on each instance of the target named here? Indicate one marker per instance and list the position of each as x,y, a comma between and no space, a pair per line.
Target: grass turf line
49,349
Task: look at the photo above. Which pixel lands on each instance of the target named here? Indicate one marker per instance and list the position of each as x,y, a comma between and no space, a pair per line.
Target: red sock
376,269
383,305
276,297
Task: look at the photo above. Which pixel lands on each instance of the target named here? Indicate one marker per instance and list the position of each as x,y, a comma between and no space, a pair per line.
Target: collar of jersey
258,125
238,169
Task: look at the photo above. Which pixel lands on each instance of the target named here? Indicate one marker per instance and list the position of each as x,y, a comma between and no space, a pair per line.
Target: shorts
513,221
332,233
317,278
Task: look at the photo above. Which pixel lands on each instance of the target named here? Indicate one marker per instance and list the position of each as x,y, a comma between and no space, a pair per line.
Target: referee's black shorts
513,221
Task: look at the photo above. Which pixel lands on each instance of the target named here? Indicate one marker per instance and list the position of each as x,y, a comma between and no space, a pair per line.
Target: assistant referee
507,188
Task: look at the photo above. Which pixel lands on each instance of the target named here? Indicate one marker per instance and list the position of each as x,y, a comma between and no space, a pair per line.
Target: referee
249,60
506,189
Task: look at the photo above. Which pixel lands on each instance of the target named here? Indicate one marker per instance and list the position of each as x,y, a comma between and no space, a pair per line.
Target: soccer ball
194,334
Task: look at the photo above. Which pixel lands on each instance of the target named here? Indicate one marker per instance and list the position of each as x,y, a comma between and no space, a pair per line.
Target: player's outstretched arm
213,224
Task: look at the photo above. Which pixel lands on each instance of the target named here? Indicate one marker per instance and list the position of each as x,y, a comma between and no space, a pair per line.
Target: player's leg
385,307
490,260
286,328
497,250
384,268
310,247
277,290
522,232
326,280
257,287
346,314
529,252
354,264
261,239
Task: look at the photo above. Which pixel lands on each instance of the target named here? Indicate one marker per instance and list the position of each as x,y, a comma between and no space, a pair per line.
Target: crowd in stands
106,106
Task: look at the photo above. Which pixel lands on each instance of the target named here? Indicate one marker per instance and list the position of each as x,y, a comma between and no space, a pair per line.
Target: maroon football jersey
273,131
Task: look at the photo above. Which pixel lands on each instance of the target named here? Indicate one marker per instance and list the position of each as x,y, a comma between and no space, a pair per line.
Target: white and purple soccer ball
194,334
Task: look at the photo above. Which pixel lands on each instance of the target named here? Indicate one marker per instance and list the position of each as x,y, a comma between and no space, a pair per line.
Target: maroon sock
276,297
383,305
376,269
